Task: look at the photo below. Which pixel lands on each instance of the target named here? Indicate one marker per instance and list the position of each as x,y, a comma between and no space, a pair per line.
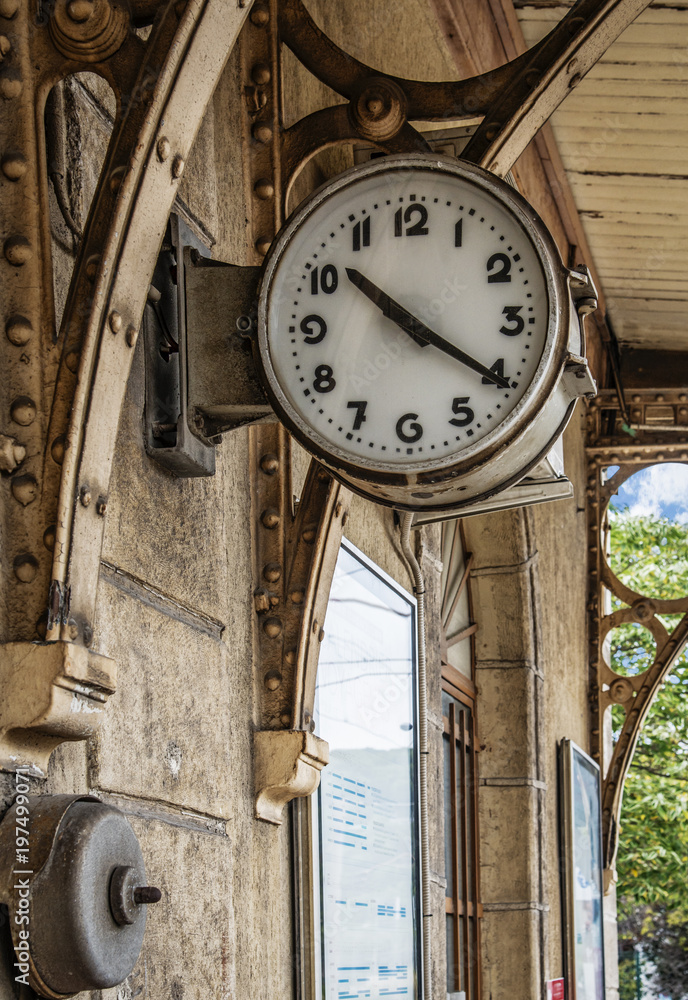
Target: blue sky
660,491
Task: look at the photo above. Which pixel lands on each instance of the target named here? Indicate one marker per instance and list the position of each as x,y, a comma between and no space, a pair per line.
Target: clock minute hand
416,329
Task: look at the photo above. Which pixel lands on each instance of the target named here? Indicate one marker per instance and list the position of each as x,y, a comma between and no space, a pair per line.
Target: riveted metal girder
660,434
63,389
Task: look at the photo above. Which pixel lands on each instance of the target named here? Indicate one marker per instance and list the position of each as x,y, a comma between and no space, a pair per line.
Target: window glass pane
367,840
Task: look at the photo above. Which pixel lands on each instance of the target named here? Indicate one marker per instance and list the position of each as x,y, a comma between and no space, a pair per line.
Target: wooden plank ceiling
623,139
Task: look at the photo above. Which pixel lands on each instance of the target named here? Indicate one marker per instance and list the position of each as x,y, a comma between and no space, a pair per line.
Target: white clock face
406,317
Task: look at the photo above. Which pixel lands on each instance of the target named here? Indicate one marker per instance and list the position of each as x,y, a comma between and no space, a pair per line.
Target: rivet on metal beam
263,245
101,506
270,518
24,489
308,535
80,11
273,679
131,335
49,537
272,627
178,167
10,86
290,657
92,265
72,361
85,496
17,250
163,148
262,132
8,8
115,321
285,719
260,15
260,74
13,166
19,330
23,411
25,567
269,463
264,189
296,596
116,178
272,572
57,449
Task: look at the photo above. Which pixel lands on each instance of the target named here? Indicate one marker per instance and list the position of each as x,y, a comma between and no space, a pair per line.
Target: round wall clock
419,334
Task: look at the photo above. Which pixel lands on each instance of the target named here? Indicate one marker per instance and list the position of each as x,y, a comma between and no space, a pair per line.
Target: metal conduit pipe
419,591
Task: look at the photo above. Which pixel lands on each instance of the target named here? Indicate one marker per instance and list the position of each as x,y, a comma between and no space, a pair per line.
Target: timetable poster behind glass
365,818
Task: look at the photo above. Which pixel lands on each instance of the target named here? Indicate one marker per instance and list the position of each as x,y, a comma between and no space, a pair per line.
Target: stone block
502,606
511,955
167,732
499,539
507,722
509,844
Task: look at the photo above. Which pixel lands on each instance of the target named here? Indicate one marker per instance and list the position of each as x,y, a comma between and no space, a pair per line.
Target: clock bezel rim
427,471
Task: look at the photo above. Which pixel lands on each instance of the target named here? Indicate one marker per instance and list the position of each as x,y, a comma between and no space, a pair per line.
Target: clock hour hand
416,329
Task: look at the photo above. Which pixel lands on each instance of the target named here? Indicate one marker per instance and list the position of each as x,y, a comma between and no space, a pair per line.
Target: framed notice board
581,844
357,837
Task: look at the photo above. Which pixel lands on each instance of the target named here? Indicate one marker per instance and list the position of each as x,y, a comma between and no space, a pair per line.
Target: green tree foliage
650,555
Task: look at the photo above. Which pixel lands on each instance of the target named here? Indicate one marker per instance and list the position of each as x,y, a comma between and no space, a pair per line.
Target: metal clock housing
419,334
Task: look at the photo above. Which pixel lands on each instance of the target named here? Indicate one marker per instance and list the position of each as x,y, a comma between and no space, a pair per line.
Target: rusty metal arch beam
66,390
635,694
515,100
150,165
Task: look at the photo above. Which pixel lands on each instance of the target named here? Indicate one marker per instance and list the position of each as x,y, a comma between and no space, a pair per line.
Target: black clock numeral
498,369
464,414
418,228
329,279
511,313
498,268
309,324
415,428
458,233
323,379
360,408
361,234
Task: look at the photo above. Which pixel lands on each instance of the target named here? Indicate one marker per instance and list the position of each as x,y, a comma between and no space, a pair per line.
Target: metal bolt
683,398
272,572
49,537
17,250
163,148
131,335
18,330
263,244
262,133
80,10
116,178
10,86
244,325
144,895
13,166
260,15
24,489
273,679
264,189
57,449
92,265
296,596
178,167
115,321
72,361
260,74
272,627
375,105
270,518
636,399
23,411
25,567
85,496
101,506
290,657
659,397
269,463
8,8
682,411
